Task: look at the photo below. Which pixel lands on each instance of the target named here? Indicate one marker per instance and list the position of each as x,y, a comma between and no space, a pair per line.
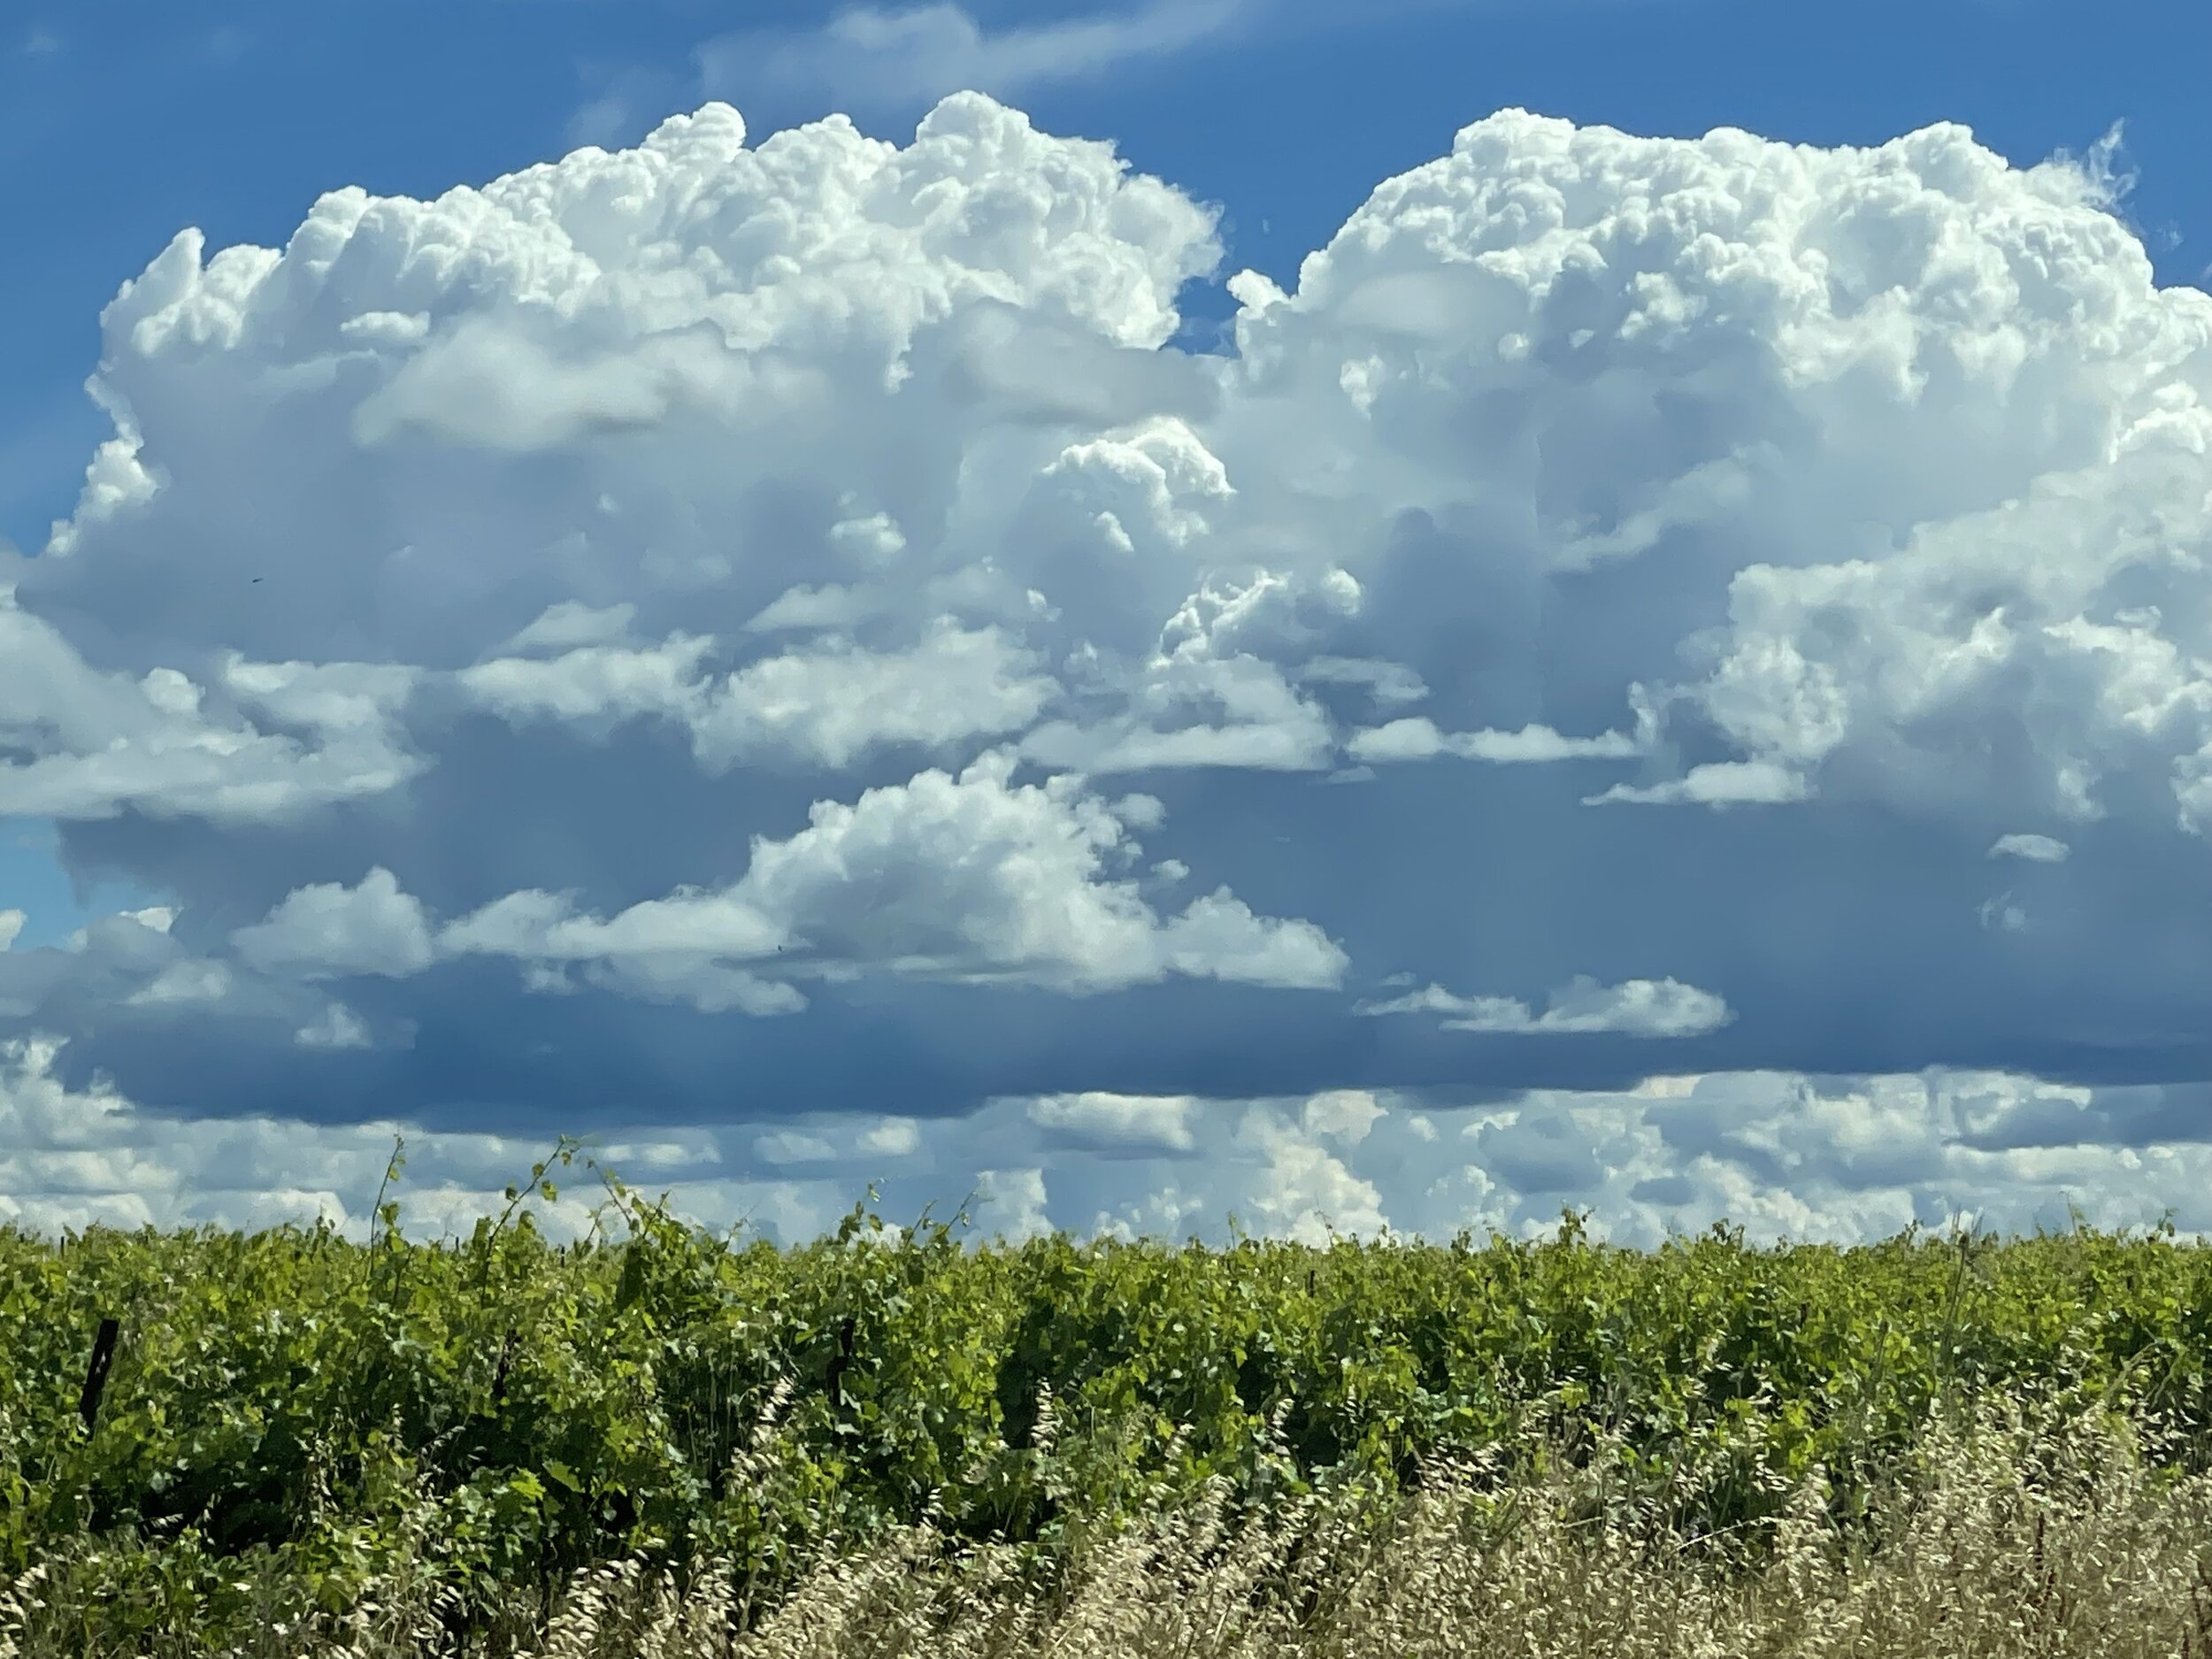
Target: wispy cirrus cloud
872,59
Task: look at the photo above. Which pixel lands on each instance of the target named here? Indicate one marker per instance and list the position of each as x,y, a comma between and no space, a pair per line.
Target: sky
1332,621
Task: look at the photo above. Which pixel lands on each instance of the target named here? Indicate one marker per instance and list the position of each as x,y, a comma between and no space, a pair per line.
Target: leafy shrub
501,1412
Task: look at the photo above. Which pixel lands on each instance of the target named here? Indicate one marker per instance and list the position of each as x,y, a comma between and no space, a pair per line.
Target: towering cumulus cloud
1665,675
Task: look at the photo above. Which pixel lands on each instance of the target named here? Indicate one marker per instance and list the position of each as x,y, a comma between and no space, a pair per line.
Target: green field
306,1445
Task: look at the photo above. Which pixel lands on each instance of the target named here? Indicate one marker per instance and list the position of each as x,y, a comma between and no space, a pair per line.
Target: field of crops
896,1440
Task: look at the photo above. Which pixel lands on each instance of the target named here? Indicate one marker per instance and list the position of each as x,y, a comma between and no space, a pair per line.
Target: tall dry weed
2020,1531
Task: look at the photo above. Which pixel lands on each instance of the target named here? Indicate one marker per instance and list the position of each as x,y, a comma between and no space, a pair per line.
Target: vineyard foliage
299,1398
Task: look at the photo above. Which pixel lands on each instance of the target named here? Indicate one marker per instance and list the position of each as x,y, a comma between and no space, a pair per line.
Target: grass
2017,1527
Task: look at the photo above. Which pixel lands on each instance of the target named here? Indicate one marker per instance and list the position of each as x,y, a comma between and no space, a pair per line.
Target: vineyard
215,1443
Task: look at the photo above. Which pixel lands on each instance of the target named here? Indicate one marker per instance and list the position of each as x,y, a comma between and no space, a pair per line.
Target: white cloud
1716,784
835,703
338,1026
1634,1008
184,982
871,58
1387,683
1010,1205
1208,695
1417,738
1848,1160
1126,1123
970,878
569,625
788,1146
801,578
85,744
1345,1114
2041,850
69,1158
330,929
1307,1192
893,1138
826,706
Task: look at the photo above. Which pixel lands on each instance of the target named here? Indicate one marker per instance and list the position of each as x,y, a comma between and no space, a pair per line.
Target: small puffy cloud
1116,1122
2040,849
184,982
1345,1114
1634,1008
1715,784
893,1138
338,1026
1417,738
788,1146
329,930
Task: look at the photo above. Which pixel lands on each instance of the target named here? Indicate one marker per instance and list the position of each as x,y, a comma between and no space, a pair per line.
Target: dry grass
2010,1535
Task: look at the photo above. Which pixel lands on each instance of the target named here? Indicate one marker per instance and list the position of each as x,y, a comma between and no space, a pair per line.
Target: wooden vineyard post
95,1377
839,1366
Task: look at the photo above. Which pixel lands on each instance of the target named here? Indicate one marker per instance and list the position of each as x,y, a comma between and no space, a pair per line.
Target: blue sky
1442,816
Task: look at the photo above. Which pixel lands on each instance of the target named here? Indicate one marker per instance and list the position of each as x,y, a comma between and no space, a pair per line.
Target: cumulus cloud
329,929
1842,1159
81,743
828,704
1308,1193
785,611
1345,1114
969,878
1011,1205
70,1159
